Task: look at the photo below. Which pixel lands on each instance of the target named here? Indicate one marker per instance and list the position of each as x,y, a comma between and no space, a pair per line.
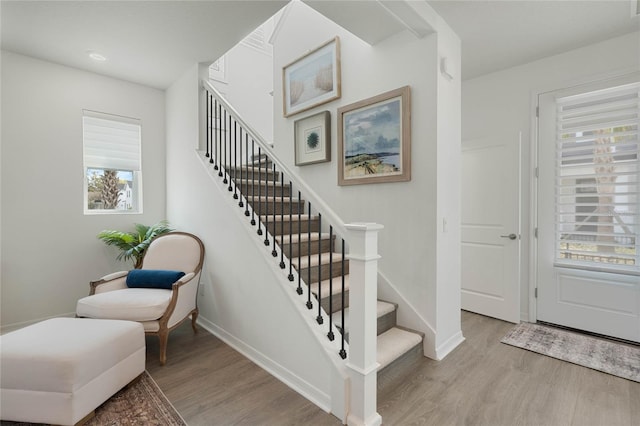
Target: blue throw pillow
152,278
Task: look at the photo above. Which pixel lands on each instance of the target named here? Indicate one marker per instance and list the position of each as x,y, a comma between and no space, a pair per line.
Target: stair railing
242,158
238,153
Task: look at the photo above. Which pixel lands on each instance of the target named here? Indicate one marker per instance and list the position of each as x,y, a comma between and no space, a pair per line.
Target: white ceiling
147,42
153,42
501,34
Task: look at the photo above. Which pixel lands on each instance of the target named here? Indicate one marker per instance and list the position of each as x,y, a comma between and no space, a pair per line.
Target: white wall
246,299
504,100
49,247
248,83
410,211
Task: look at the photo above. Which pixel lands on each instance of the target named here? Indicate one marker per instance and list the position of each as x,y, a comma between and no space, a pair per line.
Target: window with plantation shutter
112,163
598,178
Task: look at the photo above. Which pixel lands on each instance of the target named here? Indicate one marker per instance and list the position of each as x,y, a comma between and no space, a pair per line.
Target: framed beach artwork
313,139
374,139
313,79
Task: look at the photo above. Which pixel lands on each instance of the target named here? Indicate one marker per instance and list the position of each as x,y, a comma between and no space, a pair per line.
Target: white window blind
597,178
111,142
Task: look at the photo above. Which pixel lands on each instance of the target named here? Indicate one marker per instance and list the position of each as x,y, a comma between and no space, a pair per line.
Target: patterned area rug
141,403
609,357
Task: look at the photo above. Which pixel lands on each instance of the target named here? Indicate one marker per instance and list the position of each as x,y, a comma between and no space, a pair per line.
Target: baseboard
301,386
18,325
450,344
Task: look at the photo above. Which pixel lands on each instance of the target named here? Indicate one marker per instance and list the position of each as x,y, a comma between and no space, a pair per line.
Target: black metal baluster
330,334
259,202
235,161
246,188
309,304
282,265
274,252
266,201
219,141
226,138
208,102
212,104
290,276
235,172
253,181
343,353
214,138
319,317
299,289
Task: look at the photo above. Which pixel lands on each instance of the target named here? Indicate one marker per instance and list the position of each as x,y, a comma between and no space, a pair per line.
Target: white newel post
363,295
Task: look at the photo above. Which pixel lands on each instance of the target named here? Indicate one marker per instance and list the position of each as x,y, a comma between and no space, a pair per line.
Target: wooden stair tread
285,217
260,182
394,343
250,167
270,198
303,261
304,237
382,308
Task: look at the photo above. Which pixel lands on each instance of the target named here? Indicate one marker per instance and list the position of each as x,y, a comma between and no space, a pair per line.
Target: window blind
597,177
111,142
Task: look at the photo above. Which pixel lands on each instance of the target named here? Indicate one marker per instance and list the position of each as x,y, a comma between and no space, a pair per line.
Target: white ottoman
59,370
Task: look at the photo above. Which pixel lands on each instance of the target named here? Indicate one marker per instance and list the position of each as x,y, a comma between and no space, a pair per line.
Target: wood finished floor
482,382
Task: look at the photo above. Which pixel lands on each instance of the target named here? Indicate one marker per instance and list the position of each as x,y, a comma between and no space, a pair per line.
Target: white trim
450,344
280,22
533,210
295,382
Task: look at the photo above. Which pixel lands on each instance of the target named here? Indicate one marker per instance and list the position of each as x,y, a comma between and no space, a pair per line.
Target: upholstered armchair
117,296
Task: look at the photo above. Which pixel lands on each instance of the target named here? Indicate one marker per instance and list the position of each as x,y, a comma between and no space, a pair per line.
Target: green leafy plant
132,245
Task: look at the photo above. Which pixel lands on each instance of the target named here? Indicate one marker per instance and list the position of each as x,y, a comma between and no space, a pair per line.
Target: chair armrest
182,281
183,300
114,281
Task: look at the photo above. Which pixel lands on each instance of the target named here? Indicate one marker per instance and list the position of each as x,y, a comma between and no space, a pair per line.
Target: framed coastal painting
374,139
313,139
313,79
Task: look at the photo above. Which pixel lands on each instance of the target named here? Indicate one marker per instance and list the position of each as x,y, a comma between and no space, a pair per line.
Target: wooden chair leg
194,317
163,336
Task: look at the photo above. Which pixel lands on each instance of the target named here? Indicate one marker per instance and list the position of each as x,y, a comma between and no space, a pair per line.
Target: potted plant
132,245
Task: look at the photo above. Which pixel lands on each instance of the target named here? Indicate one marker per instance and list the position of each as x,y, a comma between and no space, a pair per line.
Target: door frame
533,164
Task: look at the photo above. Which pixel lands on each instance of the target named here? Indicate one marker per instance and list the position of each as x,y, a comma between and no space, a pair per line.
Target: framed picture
374,139
313,79
313,139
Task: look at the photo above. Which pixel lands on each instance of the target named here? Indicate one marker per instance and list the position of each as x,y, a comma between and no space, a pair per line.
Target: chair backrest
179,251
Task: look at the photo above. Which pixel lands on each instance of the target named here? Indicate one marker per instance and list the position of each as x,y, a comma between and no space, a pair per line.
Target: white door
491,226
588,262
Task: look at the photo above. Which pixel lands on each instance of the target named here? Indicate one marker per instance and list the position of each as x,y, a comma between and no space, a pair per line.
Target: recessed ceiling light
97,57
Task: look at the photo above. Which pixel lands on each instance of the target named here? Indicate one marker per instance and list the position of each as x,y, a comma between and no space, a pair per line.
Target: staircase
315,257
312,256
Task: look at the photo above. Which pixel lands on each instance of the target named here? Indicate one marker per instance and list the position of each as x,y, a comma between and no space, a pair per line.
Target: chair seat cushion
152,278
134,304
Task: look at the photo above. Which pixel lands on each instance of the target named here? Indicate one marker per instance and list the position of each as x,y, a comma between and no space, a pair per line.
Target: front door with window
588,261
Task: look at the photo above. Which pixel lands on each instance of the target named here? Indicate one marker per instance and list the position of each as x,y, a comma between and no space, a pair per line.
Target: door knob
510,236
